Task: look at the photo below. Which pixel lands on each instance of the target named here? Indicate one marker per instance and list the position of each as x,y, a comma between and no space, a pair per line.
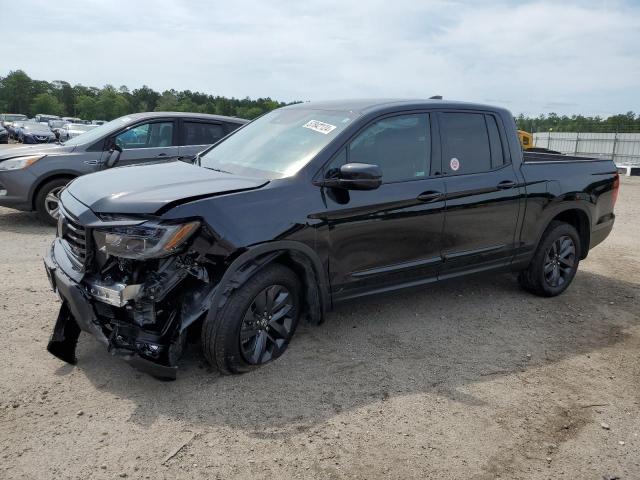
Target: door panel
384,237
481,220
390,236
482,193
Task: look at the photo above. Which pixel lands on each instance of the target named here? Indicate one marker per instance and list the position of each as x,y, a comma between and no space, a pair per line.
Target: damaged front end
135,284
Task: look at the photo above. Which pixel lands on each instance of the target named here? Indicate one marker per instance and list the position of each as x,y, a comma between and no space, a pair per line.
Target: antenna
436,97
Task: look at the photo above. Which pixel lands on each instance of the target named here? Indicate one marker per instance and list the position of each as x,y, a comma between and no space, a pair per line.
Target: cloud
580,57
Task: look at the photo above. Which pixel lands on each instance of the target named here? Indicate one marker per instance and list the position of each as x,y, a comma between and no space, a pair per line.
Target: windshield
98,132
13,118
278,144
37,127
80,127
56,123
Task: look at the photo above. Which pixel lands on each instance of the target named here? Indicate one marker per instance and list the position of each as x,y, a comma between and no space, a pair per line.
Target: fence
622,148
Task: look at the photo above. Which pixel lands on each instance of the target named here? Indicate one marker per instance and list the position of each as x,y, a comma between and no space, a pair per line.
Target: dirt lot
471,379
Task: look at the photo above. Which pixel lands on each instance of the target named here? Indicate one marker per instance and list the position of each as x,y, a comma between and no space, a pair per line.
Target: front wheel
555,263
48,200
256,323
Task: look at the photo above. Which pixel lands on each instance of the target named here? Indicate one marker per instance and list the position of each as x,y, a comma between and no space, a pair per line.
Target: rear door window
200,133
465,143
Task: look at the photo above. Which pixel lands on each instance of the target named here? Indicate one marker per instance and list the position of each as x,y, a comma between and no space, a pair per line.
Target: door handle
507,184
430,196
161,155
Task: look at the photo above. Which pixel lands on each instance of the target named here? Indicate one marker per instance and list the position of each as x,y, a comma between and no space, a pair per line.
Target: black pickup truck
307,206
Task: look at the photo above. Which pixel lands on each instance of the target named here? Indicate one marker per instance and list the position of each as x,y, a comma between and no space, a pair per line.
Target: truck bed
535,157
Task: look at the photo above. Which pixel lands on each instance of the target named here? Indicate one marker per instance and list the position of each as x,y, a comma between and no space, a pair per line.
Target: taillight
616,187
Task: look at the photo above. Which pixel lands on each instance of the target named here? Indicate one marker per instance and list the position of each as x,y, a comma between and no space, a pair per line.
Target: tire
44,202
555,263
227,340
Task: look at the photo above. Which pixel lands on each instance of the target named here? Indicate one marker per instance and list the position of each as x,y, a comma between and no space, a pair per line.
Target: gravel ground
472,379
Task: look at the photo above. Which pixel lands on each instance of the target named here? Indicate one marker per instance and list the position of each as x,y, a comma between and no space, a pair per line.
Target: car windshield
13,118
99,132
37,127
56,123
80,127
278,144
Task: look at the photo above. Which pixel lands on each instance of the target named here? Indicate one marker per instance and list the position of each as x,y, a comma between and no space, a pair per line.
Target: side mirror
355,176
114,156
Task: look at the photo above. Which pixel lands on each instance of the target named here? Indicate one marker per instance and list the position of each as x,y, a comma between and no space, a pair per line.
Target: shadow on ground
24,223
432,341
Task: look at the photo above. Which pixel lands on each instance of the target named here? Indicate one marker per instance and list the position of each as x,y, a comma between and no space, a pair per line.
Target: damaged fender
300,257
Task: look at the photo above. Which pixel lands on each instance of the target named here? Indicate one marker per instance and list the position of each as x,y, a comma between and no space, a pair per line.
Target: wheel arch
43,181
295,255
577,217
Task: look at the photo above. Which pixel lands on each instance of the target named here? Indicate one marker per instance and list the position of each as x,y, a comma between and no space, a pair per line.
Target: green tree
111,104
65,95
21,94
144,99
86,107
47,103
168,102
15,92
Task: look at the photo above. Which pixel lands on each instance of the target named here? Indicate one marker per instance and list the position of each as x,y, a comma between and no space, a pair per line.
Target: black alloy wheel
256,323
561,258
267,325
555,261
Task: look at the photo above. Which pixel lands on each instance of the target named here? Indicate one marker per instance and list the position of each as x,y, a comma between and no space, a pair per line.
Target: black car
35,132
14,128
307,206
4,135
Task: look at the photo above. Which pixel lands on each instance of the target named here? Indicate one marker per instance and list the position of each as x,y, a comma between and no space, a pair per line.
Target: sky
531,57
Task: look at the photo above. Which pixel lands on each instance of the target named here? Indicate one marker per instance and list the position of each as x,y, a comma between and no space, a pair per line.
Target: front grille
74,237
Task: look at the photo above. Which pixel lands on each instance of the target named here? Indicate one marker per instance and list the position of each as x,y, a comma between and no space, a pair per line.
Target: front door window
147,135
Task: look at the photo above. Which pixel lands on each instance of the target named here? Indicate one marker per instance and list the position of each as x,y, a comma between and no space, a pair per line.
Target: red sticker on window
454,164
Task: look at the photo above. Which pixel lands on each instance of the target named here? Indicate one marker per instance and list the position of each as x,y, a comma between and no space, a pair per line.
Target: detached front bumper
78,313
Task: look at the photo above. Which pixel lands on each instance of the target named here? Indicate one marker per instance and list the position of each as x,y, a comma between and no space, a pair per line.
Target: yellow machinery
526,139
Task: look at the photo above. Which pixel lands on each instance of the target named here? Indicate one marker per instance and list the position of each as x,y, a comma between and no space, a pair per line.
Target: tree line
21,94
622,123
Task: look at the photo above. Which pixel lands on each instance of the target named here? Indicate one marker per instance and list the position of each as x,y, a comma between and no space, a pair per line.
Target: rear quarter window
497,150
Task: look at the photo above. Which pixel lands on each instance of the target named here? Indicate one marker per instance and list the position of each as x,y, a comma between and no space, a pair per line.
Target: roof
204,116
364,106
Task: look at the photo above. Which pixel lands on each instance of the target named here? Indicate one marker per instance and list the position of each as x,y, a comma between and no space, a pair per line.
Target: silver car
31,178
71,130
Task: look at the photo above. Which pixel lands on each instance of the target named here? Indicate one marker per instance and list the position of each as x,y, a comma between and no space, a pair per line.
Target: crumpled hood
50,149
145,189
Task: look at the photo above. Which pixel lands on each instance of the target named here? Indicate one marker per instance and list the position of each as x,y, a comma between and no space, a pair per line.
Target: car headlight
19,162
148,240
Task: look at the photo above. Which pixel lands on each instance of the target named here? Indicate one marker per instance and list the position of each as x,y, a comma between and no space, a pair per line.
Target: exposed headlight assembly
17,163
148,240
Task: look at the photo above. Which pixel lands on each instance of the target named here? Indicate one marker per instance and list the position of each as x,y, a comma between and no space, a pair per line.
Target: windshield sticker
319,126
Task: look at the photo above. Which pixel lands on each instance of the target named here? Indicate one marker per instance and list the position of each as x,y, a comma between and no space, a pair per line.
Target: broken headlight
148,240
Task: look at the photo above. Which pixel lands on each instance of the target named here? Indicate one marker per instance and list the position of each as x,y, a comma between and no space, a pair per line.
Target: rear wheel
48,200
555,263
256,323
